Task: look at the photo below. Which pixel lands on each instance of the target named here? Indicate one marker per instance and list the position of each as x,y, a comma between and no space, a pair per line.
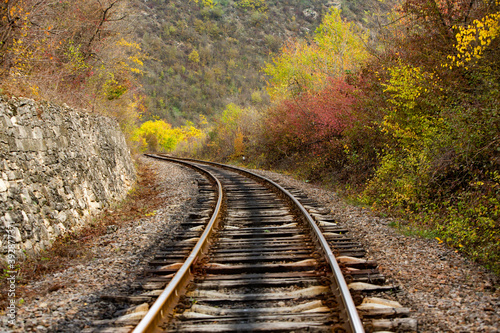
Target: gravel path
446,292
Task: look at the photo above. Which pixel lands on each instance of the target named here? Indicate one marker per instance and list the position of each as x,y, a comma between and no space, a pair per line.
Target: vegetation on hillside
81,53
157,135
208,54
440,164
410,127
74,52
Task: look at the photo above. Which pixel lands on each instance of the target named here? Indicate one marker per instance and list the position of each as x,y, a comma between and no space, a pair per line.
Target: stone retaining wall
57,168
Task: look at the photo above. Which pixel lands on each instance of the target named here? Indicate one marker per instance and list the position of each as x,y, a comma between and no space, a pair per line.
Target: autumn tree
338,48
439,76
315,131
230,136
158,135
67,50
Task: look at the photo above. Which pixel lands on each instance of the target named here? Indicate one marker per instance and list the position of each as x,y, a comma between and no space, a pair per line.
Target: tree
194,57
439,69
313,129
55,46
158,135
338,48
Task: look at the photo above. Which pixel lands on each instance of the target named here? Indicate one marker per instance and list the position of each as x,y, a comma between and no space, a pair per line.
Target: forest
395,104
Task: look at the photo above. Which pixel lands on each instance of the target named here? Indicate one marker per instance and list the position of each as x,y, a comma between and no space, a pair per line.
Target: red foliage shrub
312,118
313,127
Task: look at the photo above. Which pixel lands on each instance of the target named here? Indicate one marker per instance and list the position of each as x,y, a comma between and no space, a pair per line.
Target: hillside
203,56
168,59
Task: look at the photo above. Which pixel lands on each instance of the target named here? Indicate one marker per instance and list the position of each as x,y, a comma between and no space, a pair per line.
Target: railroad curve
257,258
265,272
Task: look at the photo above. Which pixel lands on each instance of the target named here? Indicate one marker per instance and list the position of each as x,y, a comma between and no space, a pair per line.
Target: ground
446,292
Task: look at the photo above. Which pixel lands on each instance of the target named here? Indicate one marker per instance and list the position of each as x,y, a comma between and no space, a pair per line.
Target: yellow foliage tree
194,57
239,146
157,135
259,5
338,47
207,3
474,39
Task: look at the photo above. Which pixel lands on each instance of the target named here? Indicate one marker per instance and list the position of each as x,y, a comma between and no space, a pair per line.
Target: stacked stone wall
58,167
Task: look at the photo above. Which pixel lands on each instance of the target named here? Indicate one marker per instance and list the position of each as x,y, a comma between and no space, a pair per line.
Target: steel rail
172,291
351,314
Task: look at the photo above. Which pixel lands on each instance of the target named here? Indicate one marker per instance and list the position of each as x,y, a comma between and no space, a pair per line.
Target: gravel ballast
446,292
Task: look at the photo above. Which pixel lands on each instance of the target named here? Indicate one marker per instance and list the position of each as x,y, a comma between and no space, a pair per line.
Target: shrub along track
263,268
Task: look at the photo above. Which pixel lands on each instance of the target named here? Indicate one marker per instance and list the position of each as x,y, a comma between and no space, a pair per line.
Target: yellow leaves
136,70
203,119
35,90
473,40
194,57
135,59
259,5
477,184
75,59
189,131
156,135
207,3
123,42
112,89
238,144
131,58
338,47
405,85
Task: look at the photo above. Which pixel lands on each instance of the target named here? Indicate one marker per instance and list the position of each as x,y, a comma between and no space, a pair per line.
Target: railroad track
257,257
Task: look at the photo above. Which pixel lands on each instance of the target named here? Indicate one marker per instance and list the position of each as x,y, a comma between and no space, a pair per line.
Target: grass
412,230
73,248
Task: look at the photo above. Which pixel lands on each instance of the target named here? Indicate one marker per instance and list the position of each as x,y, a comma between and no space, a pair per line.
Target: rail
166,299
173,290
352,315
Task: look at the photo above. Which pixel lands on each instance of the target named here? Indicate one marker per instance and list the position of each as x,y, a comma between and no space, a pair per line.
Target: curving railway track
257,257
